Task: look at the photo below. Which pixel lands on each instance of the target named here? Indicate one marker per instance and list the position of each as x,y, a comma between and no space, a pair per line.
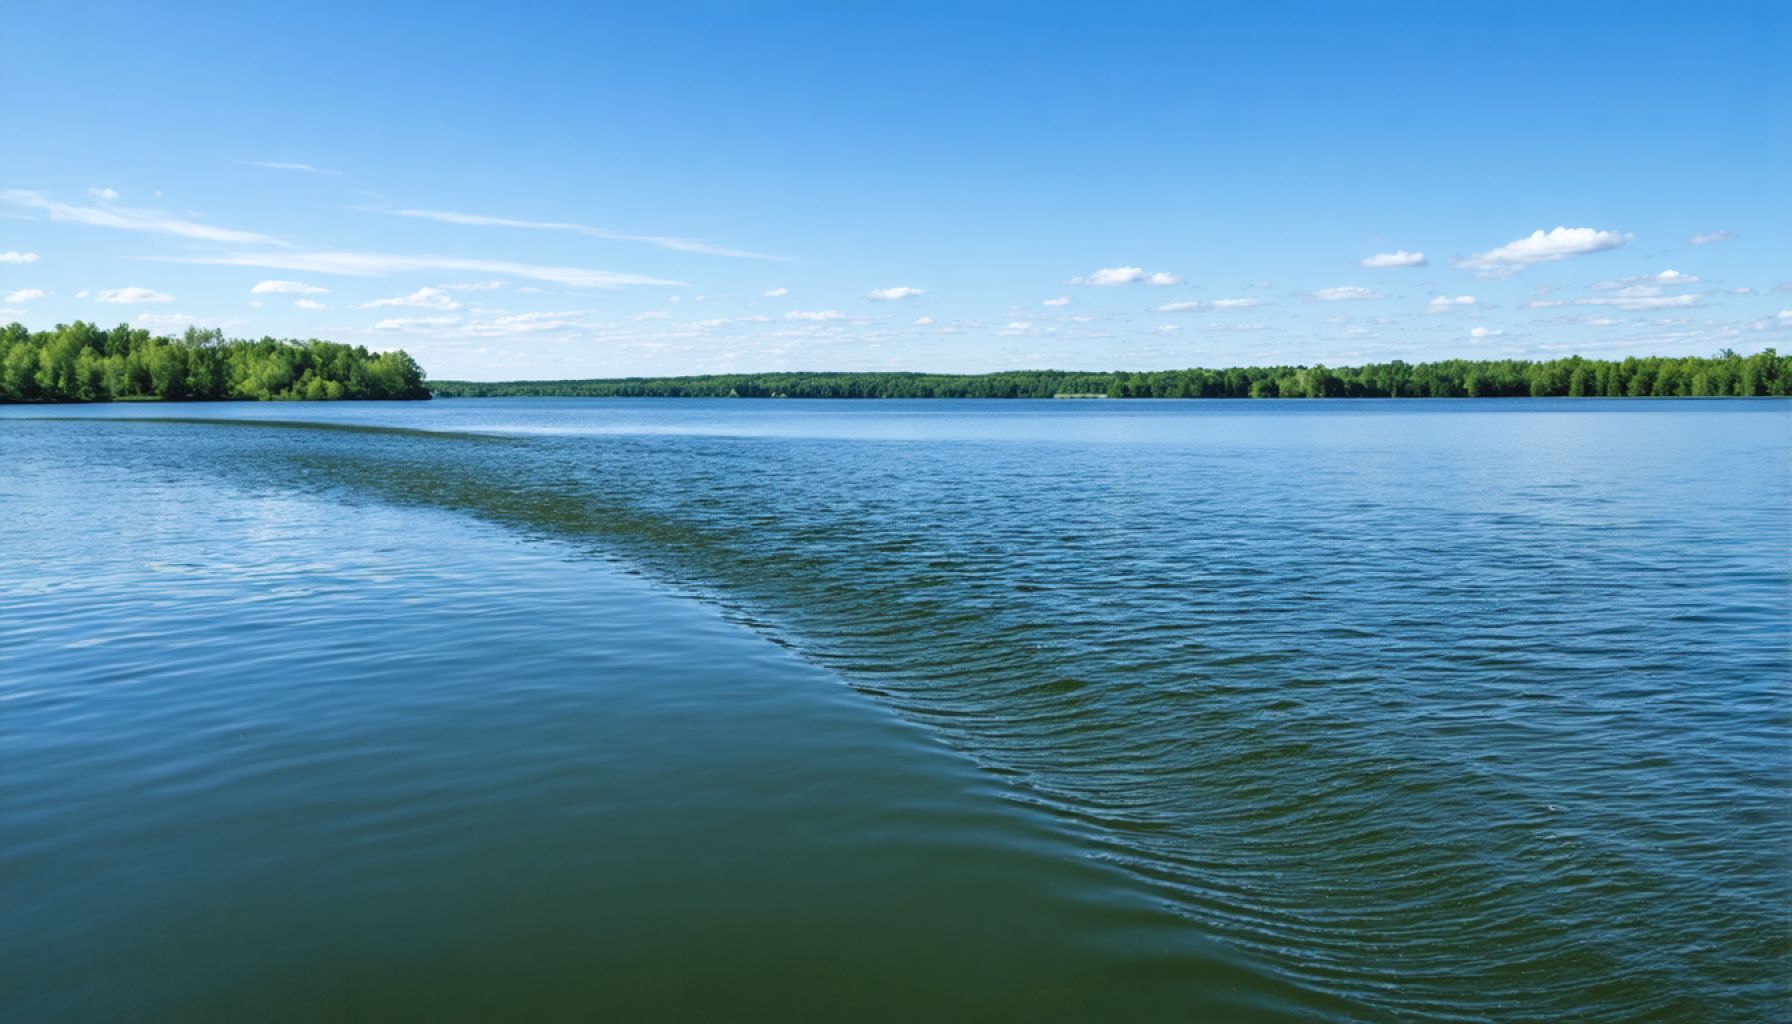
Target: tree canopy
81,362
1725,374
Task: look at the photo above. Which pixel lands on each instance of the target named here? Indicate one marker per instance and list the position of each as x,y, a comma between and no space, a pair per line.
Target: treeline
80,362
1725,374
1010,384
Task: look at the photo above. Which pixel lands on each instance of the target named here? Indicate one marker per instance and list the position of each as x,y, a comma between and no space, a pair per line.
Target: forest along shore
1725,374
80,362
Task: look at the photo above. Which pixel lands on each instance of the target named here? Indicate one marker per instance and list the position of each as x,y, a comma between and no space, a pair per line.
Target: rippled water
1351,710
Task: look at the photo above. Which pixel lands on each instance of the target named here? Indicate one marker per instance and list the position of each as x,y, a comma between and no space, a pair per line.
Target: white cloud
1223,305
1785,314
923,321
24,295
1109,276
1397,258
815,316
18,257
129,220
893,294
132,296
1176,307
1166,328
422,298
374,264
416,323
1485,332
1544,247
104,195
1237,327
691,245
309,304
1062,300
657,314
286,288
1345,294
1675,277
286,165
1709,237
1443,303
776,293
475,286
1544,304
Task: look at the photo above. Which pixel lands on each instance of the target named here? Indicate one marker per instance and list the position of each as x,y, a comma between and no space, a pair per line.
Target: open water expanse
614,709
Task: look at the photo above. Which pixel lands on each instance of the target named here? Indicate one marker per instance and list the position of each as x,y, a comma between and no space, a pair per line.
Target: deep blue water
1145,710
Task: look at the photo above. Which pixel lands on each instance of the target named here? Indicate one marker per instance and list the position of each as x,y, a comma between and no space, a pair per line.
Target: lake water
897,710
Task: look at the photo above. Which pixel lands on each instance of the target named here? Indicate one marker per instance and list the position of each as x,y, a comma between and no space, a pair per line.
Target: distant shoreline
1727,374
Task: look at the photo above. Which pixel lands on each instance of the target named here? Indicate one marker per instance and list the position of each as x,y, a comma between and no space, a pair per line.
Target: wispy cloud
285,165
18,257
375,264
691,245
23,295
1710,237
894,294
416,323
132,296
1217,306
1108,277
776,293
422,298
1345,293
130,220
1444,303
104,195
311,304
1543,247
816,316
1062,300
287,288
1641,297
1397,258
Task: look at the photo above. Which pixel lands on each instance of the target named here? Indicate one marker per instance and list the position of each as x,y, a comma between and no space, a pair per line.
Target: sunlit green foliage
80,362
1725,374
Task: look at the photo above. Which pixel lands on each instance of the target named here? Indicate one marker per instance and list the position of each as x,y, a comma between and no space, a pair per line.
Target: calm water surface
1020,710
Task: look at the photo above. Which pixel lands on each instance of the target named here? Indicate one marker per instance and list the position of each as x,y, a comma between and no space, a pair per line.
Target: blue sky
540,190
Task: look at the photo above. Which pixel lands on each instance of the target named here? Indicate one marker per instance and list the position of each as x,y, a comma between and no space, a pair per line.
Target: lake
1030,710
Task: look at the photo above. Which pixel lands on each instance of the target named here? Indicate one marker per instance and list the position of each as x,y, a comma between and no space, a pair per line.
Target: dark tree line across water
80,362
1725,374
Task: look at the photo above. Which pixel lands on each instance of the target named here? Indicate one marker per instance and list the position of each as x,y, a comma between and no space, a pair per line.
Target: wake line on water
1197,772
